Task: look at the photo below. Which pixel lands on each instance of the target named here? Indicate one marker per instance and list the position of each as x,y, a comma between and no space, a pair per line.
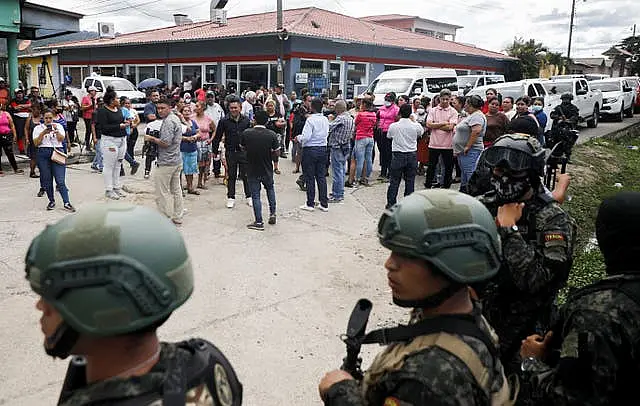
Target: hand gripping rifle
353,338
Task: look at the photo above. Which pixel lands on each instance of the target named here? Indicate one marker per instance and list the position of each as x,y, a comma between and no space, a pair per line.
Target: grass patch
596,166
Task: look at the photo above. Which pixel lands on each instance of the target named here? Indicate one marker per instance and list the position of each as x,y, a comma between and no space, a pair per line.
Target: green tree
556,59
632,44
530,56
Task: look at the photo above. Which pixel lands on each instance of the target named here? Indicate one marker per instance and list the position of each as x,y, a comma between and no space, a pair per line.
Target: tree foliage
531,56
632,45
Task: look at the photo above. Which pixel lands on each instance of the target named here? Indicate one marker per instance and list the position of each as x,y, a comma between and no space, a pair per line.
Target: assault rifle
353,338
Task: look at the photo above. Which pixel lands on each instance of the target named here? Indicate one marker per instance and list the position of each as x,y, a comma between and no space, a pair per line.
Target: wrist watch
527,363
510,230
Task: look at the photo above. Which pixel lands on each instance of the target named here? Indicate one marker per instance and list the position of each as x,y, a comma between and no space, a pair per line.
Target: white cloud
489,24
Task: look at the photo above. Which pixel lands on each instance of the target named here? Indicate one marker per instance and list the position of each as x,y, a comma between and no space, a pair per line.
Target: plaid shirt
341,130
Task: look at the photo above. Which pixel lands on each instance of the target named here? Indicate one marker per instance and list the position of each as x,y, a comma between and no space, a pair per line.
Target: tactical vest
207,379
394,356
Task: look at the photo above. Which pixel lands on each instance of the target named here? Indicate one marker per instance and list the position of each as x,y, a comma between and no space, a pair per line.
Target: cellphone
49,126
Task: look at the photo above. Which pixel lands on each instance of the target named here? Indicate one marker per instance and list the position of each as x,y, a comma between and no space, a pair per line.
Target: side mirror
581,92
626,89
417,91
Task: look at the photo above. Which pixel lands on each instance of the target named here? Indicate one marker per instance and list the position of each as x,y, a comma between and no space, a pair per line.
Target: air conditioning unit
106,30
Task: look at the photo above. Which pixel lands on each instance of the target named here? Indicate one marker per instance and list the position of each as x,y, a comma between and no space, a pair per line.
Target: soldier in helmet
598,329
537,243
565,113
107,278
440,242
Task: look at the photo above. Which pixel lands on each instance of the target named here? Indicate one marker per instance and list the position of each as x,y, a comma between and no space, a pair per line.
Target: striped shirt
341,130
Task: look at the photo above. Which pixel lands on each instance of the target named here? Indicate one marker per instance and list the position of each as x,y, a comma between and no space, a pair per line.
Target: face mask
536,108
387,103
420,111
510,190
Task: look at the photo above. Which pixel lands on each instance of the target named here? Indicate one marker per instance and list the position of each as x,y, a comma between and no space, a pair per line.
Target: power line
122,8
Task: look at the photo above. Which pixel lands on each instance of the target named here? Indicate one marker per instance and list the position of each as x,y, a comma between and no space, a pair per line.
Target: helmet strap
432,301
60,344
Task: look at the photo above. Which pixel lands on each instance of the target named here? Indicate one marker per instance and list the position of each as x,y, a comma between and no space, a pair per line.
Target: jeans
237,162
467,166
384,145
339,155
131,142
87,134
168,191
254,184
97,159
435,155
49,171
314,168
8,149
113,151
364,150
403,165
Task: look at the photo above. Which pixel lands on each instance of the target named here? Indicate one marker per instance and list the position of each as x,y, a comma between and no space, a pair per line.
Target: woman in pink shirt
365,122
8,136
207,128
388,114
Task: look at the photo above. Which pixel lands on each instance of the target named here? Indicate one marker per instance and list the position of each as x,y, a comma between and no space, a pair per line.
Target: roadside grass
596,166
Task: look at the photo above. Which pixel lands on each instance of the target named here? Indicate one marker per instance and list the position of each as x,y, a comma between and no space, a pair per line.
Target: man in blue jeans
261,145
341,131
314,156
404,160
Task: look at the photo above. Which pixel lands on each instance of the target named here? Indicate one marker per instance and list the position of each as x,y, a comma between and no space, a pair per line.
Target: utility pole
281,39
573,14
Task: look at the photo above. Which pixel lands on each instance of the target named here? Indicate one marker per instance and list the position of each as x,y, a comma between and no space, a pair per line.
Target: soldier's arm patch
554,239
391,401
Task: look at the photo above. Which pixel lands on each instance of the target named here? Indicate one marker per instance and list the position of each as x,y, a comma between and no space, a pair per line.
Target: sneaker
231,203
177,222
110,194
348,184
134,167
119,192
40,192
51,206
249,202
256,226
335,200
272,219
301,184
307,208
323,209
146,174
95,168
69,207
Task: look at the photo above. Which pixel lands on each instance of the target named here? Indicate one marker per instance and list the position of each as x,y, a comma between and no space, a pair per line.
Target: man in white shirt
213,110
404,160
314,156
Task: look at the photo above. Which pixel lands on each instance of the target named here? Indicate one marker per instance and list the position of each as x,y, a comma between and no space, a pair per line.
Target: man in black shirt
261,145
231,127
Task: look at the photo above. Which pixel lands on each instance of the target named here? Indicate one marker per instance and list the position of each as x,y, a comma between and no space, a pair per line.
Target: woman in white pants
112,126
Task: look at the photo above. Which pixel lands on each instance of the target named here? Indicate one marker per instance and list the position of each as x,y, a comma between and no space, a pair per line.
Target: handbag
59,157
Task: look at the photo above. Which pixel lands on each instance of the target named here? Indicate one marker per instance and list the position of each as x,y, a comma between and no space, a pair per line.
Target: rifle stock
356,329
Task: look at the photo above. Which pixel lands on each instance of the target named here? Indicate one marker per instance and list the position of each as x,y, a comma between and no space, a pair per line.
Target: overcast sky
490,24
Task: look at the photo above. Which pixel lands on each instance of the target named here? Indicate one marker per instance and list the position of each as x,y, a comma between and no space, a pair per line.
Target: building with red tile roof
334,50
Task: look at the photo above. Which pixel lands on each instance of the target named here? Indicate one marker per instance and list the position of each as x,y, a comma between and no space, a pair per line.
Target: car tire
620,116
629,112
593,122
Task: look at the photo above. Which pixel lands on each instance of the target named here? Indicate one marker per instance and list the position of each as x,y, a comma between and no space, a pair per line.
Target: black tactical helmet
517,152
566,96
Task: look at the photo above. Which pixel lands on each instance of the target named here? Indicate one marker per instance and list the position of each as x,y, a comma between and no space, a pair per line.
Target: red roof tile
332,26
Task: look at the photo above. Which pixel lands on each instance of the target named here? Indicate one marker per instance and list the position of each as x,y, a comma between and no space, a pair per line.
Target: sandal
33,175
277,171
1,173
18,171
193,192
202,187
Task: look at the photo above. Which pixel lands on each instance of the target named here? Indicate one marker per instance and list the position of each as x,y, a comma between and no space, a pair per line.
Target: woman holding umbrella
151,83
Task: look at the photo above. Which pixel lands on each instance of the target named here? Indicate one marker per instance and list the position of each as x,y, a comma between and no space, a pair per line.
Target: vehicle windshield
558,87
606,86
434,85
119,85
396,85
492,80
463,81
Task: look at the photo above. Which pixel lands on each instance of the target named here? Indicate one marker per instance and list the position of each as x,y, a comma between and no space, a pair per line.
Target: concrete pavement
275,301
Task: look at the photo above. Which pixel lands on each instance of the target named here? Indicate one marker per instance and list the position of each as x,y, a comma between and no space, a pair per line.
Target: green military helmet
519,152
111,269
452,231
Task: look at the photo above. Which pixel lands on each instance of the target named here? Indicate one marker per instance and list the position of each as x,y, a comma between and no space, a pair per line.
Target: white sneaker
119,192
231,203
249,202
110,194
324,209
307,208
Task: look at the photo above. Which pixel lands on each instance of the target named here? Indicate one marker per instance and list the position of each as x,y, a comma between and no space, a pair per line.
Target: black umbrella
150,83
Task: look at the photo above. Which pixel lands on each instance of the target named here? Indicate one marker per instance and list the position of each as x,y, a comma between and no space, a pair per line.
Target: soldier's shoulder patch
390,401
554,237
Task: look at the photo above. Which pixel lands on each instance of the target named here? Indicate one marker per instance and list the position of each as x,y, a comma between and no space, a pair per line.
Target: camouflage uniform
431,376
599,353
537,260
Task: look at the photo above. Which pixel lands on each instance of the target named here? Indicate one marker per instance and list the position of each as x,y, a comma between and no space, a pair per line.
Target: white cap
92,88
1,79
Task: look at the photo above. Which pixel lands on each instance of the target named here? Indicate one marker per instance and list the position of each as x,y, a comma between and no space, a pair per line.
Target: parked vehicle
527,87
468,82
618,97
589,101
122,87
588,76
413,82
634,81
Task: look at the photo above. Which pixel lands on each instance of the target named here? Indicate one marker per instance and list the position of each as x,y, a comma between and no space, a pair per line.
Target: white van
413,82
468,82
122,87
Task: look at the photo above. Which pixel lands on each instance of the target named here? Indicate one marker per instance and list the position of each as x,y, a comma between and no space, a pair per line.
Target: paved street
275,301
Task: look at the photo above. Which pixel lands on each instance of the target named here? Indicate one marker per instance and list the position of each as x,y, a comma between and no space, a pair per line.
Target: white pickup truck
587,100
619,97
122,87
